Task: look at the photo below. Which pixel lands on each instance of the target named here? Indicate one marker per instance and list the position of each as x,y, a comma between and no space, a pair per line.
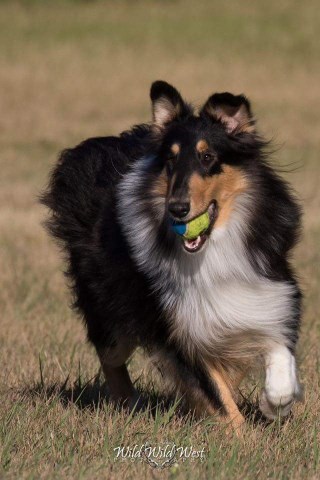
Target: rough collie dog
211,306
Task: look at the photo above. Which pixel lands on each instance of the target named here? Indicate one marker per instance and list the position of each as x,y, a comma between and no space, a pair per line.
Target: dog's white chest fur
221,298
215,298
209,316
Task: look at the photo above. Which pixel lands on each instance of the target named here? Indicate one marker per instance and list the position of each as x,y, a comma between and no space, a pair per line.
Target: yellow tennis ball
197,226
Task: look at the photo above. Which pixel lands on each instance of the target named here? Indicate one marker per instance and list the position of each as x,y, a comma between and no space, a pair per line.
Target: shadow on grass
94,394
252,413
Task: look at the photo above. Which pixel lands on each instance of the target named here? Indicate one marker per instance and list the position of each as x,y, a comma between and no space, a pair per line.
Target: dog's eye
207,158
209,162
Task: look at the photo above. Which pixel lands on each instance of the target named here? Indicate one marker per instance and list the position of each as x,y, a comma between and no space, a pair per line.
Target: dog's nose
179,209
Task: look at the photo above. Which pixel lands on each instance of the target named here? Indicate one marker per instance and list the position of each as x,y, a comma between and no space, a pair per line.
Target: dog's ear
167,104
233,111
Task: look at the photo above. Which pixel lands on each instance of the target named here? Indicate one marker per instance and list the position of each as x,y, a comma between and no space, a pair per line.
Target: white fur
281,384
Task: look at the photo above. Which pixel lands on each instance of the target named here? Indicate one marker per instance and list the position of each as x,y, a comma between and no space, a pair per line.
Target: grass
70,70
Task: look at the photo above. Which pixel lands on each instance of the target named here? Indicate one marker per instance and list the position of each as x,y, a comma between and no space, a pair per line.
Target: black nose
179,209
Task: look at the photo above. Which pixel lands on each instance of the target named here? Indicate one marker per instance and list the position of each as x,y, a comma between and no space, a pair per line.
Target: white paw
278,406
282,387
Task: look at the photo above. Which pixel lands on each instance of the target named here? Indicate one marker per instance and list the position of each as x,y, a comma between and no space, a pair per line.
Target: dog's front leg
232,415
282,387
204,387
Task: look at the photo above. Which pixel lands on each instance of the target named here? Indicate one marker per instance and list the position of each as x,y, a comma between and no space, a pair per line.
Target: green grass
70,70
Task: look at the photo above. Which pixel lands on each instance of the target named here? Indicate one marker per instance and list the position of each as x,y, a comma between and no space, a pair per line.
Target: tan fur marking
234,417
202,146
223,188
175,148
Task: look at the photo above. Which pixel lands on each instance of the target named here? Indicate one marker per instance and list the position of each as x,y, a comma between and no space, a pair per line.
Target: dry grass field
70,70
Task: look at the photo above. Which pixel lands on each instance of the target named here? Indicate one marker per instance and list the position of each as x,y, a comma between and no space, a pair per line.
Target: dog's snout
179,209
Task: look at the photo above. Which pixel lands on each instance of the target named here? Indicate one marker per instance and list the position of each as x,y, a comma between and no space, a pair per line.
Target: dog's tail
80,185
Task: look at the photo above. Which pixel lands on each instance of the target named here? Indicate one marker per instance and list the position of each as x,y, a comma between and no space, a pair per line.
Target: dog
211,307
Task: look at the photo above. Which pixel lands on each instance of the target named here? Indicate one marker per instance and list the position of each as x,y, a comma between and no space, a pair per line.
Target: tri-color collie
210,307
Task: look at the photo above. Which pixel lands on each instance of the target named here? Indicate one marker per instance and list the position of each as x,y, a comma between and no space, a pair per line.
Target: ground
70,70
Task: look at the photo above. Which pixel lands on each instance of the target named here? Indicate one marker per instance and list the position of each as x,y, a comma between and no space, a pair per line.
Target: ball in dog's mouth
195,244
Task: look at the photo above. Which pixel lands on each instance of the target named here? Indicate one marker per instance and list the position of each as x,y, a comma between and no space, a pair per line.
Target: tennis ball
193,228
196,226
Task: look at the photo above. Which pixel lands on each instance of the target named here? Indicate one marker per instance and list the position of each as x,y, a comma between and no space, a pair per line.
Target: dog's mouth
195,244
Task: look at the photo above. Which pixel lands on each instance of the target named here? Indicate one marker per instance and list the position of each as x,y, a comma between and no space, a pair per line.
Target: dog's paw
134,402
282,387
278,398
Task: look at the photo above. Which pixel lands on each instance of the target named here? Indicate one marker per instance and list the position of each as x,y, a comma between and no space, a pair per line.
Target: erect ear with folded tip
233,111
167,104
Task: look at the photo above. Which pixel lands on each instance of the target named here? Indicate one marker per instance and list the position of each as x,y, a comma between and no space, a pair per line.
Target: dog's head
200,159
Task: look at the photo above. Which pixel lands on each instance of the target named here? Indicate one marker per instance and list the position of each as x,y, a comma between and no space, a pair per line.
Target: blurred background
74,69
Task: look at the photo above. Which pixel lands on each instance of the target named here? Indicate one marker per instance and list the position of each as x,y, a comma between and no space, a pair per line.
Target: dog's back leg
113,362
